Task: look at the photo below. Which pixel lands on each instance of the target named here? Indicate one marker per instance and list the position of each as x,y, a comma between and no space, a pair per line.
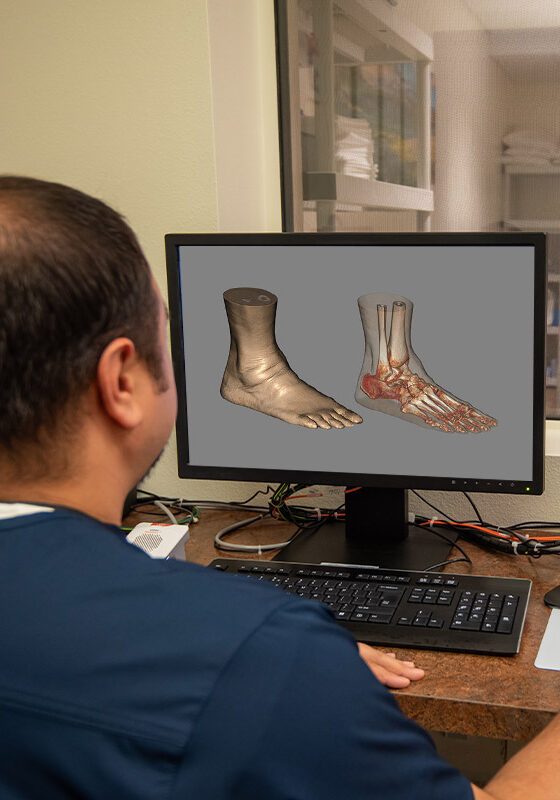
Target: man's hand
388,669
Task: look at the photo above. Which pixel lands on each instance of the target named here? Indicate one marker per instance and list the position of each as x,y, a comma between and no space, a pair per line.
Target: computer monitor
382,361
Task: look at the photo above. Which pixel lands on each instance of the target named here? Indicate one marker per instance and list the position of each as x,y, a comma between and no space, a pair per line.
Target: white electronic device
160,540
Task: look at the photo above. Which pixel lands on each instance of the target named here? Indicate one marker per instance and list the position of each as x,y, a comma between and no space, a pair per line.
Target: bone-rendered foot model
393,379
257,374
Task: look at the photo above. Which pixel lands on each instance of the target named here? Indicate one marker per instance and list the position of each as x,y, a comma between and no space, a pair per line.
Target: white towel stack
525,147
354,148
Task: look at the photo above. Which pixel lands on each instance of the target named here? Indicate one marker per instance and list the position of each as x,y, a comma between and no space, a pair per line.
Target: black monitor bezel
173,241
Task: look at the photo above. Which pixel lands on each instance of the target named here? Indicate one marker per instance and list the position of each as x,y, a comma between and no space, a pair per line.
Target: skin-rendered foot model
257,374
393,379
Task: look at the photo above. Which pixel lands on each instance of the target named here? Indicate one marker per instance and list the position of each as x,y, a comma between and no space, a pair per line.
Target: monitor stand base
329,544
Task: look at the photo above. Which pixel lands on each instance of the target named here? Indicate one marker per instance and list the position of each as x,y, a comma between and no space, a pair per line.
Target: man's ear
119,382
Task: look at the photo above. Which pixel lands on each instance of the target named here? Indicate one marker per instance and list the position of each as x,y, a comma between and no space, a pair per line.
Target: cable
304,519
507,539
510,539
165,510
465,557
439,511
471,501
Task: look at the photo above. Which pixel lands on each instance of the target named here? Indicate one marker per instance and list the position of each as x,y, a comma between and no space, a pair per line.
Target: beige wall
471,91
117,98
113,97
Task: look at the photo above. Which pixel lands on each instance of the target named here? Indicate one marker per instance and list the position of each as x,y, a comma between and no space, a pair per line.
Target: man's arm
533,772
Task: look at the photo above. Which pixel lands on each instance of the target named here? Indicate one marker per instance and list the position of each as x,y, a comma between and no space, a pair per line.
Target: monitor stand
376,533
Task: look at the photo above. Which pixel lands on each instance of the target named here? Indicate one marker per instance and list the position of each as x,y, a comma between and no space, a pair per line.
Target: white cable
165,510
245,548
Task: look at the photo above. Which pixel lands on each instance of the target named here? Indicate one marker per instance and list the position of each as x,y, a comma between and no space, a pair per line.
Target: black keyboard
430,610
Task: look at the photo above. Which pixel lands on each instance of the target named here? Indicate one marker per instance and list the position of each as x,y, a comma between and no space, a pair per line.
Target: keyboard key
444,601
472,625
505,625
380,617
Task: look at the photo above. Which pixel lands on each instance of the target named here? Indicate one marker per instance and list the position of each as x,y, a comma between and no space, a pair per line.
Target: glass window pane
414,115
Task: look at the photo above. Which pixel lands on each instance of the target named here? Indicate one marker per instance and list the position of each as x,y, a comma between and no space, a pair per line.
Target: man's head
73,279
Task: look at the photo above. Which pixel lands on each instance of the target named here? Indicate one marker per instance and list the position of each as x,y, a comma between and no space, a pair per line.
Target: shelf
366,193
320,44
532,169
551,225
551,382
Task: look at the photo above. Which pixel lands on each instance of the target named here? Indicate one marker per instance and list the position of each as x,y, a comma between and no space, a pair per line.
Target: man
126,677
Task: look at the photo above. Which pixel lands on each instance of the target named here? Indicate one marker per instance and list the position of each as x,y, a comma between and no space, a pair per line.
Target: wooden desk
504,698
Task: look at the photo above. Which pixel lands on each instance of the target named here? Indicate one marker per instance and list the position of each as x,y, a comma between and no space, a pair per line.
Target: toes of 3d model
348,416
482,419
305,421
469,426
320,422
342,420
334,422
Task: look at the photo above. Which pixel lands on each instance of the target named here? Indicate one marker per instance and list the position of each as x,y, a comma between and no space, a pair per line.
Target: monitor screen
375,360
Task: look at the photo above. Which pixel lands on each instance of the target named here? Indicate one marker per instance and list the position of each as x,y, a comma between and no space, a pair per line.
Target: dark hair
72,278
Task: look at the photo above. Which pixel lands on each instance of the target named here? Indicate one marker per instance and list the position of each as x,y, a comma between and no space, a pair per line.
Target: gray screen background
472,328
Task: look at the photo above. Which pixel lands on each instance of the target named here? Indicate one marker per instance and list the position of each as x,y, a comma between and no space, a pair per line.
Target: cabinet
355,90
531,202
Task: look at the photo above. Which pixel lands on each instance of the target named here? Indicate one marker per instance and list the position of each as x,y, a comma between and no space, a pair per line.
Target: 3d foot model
257,374
399,385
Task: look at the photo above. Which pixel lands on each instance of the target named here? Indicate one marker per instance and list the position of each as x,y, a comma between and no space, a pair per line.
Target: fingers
388,669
